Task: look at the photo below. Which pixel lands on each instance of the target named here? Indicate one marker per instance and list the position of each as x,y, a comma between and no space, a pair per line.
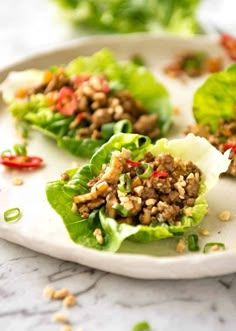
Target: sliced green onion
142,326
193,243
22,129
12,214
107,130
142,141
138,60
125,183
20,149
124,126
144,170
120,209
210,247
92,218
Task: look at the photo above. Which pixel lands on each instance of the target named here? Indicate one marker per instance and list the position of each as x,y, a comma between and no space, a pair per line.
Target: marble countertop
105,302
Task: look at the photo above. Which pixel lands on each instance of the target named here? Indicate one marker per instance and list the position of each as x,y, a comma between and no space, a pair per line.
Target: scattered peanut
69,301
214,248
224,215
60,317
66,328
204,232
49,292
17,181
61,294
180,246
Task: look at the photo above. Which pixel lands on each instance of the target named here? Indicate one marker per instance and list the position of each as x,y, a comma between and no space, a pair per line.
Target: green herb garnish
12,214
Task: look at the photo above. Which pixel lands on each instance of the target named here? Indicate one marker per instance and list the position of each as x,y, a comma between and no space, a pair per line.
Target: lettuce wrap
216,99
50,101
60,193
214,109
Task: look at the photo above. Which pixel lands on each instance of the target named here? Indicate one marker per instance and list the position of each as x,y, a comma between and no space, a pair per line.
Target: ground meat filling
95,104
151,191
224,138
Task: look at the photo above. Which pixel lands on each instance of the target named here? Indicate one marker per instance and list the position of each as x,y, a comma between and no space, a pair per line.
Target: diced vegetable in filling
223,138
92,106
150,191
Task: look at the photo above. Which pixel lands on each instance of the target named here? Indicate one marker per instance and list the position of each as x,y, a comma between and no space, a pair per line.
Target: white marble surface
105,302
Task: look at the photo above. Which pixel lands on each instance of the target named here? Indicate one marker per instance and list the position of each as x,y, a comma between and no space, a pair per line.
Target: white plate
41,229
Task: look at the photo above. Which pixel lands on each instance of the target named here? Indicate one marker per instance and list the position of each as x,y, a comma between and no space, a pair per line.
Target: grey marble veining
105,302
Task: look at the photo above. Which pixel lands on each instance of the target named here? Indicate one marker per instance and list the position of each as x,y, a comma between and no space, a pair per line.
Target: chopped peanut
17,181
204,232
188,211
69,301
60,317
98,235
61,294
66,327
224,215
180,246
49,292
214,248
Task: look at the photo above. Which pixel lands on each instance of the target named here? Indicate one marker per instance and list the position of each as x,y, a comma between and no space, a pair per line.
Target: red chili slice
20,161
159,174
80,79
67,102
133,163
229,43
80,116
228,146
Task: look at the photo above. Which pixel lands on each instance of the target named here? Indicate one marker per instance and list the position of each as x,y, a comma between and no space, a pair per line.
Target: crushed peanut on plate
60,317
17,181
49,292
224,215
69,301
180,247
214,248
66,328
61,294
204,232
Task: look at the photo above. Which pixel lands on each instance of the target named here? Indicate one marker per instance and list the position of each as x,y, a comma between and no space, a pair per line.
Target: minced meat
224,138
96,105
131,196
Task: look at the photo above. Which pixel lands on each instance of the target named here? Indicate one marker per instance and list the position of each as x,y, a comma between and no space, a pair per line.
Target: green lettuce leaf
216,98
131,15
59,194
121,75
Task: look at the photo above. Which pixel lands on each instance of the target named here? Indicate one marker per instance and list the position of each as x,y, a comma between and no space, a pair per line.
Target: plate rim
156,261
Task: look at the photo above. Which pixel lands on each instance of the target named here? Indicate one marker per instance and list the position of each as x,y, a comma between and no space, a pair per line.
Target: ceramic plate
42,230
